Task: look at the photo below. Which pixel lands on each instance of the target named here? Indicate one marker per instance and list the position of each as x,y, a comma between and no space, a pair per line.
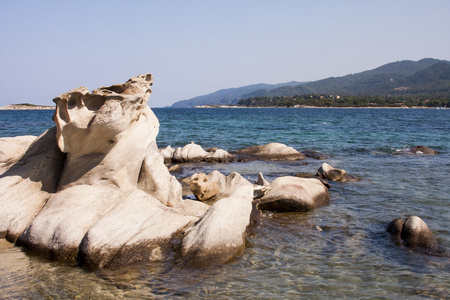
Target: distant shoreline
307,106
26,106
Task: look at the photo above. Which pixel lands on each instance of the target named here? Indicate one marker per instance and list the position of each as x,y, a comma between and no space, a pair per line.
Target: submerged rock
417,150
271,151
413,232
314,154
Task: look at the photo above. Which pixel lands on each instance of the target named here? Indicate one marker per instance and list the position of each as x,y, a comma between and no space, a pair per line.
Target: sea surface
338,251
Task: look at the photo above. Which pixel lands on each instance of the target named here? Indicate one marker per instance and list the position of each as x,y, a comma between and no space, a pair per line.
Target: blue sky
197,47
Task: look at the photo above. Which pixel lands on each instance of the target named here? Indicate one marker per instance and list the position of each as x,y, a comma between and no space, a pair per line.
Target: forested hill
228,96
404,78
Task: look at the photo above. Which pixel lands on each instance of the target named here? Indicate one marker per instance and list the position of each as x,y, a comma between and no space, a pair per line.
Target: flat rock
271,151
294,194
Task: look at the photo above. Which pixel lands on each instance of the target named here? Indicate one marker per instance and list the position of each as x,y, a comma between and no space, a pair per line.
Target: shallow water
337,251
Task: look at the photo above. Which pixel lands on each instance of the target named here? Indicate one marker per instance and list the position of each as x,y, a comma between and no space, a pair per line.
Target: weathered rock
328,172
96,189
194,153
417,150
28,184
12,149
220,235
202,188
219,186
261,180
109,243
107,200
167,153
271,151
293,194
413,232
175,169
233,185
262,187
219,155
155,179
189,153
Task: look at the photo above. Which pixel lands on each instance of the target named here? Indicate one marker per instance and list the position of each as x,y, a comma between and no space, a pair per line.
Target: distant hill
424,77
228,96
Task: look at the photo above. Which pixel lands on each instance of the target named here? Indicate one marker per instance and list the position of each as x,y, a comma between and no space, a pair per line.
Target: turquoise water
337,251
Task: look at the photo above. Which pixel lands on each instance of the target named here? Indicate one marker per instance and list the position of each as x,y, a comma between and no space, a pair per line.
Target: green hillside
228,96
424,77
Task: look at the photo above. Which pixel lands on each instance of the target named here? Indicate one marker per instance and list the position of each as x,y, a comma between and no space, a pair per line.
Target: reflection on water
337,251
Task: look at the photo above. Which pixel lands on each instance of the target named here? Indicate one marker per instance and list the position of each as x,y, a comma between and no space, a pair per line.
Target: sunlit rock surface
271,151
94,189
294,194
413,232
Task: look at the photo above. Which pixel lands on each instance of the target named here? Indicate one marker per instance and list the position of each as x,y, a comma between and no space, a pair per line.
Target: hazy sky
197,47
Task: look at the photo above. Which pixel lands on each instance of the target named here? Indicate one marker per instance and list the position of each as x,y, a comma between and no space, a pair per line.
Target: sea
338,251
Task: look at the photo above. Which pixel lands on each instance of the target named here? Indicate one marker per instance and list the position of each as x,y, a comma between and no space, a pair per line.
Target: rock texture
95,189
328,172
202,188
28,184
293,194
195,153
12,149
220,235
413,232
271,151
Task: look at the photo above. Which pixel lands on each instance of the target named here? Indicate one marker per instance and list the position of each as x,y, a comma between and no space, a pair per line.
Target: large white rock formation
95,189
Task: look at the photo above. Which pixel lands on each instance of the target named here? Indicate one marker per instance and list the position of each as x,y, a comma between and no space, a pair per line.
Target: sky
194,48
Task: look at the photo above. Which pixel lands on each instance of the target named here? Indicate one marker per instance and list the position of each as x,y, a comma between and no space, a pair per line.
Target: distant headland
26,106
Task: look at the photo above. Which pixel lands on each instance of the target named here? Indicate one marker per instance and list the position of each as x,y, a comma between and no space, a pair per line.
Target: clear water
337,251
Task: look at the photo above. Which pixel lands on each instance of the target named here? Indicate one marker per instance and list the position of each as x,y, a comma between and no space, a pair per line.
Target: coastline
307,106
26,107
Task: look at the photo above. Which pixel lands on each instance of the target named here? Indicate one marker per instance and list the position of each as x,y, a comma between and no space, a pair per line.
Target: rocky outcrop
95,189
195,153
328,172
293,194
417,150
413,232
271,151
